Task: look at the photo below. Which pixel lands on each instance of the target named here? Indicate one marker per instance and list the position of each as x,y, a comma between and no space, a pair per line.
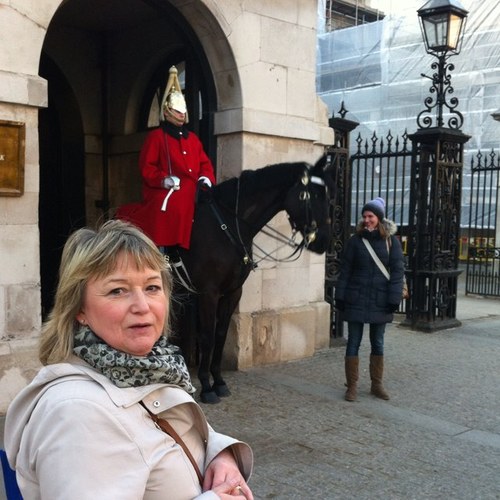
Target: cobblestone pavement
437,438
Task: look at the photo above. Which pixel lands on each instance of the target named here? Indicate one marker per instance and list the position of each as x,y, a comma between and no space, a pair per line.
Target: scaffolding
376,68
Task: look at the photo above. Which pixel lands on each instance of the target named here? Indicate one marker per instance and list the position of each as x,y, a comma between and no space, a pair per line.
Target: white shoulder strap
381,266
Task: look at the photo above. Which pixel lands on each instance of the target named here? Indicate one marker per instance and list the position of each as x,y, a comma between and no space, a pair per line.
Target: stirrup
182,274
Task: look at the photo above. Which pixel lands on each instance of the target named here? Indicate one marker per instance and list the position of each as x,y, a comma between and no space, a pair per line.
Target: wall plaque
12,144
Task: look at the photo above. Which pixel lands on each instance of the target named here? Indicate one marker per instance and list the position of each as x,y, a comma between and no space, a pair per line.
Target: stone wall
262,55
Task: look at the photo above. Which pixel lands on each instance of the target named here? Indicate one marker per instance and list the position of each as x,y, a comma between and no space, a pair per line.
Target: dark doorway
62,186
106,63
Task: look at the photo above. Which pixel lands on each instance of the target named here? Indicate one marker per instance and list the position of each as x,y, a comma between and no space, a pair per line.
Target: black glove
340,305
392,308
203,192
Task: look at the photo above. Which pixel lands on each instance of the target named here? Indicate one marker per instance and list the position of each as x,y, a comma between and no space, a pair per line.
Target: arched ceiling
109,15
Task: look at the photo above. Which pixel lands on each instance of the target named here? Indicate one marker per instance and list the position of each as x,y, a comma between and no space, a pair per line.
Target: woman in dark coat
365,295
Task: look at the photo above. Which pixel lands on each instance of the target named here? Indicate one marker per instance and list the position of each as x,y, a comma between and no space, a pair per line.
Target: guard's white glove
171,182
205,180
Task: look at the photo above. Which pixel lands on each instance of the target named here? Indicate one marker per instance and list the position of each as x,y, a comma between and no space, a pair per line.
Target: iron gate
382,167
483,240
379,167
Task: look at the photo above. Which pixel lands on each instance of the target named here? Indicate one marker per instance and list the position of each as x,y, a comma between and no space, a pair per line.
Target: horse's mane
255,181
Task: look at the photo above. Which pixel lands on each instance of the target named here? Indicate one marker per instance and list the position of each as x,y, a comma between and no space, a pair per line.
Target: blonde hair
90,254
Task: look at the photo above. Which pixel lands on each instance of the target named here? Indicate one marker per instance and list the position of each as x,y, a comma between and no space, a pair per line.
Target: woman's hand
224,478
231,490
392,308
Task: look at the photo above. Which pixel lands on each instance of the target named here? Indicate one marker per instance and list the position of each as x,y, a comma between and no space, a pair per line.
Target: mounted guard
173,166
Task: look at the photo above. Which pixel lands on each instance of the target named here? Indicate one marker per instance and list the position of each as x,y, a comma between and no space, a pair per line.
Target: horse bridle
310,230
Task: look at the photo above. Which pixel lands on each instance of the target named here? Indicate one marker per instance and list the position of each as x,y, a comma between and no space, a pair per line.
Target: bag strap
166,427
381,266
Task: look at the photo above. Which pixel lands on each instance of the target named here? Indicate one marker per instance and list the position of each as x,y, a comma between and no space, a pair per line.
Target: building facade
79,85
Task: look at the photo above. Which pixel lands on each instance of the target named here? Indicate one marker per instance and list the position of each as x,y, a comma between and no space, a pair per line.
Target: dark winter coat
362,291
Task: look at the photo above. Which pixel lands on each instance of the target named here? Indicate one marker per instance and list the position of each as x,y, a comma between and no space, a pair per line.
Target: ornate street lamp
442,23
436,180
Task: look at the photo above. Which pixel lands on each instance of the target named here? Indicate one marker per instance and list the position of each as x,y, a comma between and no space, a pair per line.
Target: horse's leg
184,326
227,305
207,308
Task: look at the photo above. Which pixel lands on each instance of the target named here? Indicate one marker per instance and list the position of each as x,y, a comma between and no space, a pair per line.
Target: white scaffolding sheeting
375,69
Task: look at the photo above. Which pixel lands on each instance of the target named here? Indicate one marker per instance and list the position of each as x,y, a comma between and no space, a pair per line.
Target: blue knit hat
377,206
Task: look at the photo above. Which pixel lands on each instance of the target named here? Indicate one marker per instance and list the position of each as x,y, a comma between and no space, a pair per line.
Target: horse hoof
221,390
209,397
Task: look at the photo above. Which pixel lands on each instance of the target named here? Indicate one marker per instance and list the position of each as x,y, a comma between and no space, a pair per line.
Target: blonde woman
86,427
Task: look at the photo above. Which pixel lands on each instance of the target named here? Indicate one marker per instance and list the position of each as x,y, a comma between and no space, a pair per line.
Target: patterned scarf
164,364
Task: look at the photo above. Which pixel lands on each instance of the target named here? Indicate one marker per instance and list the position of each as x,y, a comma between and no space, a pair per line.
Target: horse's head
307,205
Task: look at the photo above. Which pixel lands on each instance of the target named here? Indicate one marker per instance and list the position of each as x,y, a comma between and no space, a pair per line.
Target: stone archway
109,56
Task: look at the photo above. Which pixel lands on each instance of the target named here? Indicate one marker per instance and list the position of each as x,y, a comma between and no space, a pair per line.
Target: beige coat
72,434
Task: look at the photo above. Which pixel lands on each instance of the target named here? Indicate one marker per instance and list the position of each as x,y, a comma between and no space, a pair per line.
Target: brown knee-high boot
376,374
351,375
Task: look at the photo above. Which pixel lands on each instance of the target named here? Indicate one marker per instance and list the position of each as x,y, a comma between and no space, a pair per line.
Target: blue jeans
355,334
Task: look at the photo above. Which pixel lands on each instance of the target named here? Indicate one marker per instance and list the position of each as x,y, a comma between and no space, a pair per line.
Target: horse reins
310,229
247,259
280,237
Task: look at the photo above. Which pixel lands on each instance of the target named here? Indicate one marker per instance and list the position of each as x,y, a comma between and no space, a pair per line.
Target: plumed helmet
173,98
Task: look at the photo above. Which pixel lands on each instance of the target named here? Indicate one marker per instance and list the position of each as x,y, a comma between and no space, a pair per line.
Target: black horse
220,256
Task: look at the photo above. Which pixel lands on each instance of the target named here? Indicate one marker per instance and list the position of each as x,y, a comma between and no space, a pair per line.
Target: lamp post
436,176
442,23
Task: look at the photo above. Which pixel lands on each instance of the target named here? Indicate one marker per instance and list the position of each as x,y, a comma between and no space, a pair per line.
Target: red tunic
189,162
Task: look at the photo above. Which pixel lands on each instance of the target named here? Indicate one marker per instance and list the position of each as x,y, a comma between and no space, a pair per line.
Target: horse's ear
325,168
305,178
324,164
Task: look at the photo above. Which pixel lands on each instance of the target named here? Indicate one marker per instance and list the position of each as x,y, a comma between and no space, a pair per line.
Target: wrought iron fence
378,167
382,167
483,251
